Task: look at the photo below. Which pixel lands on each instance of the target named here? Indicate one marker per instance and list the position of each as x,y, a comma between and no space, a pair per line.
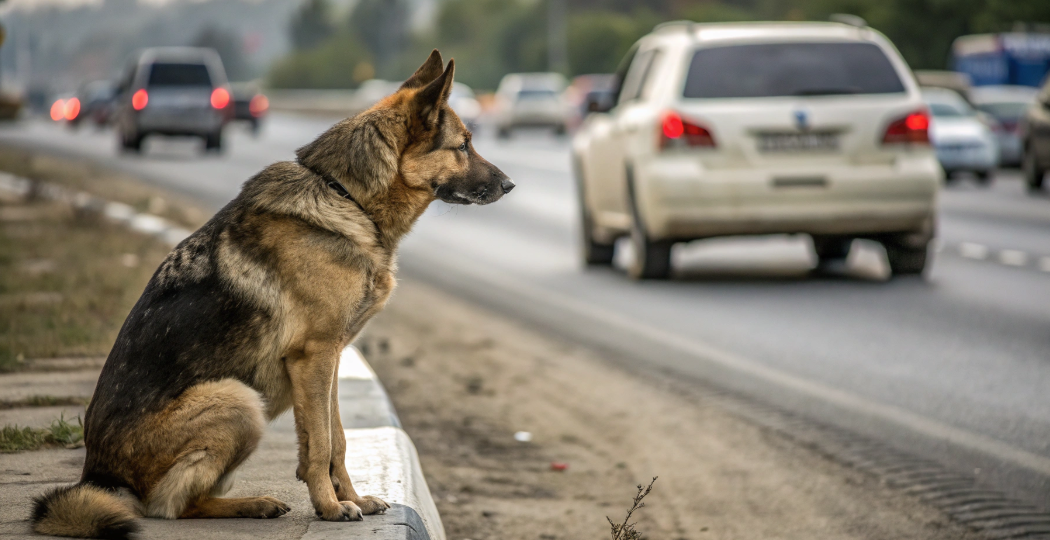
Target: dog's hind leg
205,434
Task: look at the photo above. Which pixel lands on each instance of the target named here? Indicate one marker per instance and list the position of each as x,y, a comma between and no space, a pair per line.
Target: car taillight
258,105
139,99
220,98
912,128
72,109
58,110
676,132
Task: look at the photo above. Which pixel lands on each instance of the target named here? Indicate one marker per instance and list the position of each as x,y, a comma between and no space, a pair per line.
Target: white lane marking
973,251
1044,264
1013,257
856,404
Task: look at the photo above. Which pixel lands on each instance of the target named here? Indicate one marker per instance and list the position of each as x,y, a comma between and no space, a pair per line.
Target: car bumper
679,199
974,158
174,122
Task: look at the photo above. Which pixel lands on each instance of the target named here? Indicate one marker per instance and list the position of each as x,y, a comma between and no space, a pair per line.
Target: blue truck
1015,58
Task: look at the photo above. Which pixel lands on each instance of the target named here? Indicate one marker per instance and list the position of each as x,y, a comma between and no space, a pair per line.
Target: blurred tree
598,41
230,49
312,25
332,64
382,26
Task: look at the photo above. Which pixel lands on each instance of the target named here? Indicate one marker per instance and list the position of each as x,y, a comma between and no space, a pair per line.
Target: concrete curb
380,456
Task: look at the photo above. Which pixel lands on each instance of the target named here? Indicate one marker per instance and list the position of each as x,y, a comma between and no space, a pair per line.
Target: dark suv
178,91
1035,134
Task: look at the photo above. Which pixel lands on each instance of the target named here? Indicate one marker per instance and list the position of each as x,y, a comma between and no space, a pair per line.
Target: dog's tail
83,511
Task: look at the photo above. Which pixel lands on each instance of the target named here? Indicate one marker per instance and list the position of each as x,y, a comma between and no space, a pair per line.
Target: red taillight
72,109
58,110
913,128
258,105
675,131
220,98
139,99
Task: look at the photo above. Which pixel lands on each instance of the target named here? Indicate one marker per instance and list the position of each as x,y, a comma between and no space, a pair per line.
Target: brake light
678,132
58,110
220,98
913,128
139,99
72,109
258,105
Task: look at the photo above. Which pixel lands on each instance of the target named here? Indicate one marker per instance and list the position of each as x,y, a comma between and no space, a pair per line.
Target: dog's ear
428,101
426,73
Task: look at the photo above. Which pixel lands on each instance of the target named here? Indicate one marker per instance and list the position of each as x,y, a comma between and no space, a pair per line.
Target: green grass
61,432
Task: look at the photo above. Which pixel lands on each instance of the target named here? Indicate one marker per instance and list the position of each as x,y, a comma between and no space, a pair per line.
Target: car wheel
213,141
904,259
132,143
503,133
831,249
1033,174
984,177
652,259
593,253
559,130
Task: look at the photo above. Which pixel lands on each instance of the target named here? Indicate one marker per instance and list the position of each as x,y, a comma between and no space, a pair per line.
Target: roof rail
848,19
675,25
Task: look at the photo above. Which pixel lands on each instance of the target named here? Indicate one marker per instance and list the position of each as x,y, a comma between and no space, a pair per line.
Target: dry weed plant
626,530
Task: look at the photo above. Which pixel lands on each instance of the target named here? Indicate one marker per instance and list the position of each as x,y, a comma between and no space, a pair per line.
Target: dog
246,318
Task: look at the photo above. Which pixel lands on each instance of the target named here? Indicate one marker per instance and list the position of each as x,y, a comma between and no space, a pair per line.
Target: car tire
1033,174
213,141
906,260
559,130
131,143
831,249
593,253
503,133
652,258
984,177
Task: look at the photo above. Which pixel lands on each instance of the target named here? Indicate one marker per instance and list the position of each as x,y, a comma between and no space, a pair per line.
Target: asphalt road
955,367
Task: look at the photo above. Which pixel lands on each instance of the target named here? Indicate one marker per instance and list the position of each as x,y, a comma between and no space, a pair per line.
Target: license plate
798,142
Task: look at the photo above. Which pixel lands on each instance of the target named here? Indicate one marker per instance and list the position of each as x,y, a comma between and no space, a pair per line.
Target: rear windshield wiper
824,91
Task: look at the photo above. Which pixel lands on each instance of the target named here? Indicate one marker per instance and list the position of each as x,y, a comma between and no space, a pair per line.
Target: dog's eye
463,147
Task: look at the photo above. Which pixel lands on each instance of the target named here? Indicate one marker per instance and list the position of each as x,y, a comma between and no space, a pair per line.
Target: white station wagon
759,128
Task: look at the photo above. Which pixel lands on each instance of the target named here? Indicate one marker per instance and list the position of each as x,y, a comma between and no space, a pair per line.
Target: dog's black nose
507,185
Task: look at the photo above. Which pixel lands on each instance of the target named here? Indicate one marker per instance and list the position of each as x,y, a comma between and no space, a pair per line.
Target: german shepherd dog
247,317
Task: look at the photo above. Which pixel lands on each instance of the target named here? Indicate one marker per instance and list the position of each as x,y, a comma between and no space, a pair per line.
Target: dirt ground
465,380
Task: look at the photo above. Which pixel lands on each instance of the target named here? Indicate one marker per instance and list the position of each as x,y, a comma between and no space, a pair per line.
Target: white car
962,141
530,100
462,100
759,128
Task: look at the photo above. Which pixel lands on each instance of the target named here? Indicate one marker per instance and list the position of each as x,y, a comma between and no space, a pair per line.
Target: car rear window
179,74
537,94
790,69
1005,110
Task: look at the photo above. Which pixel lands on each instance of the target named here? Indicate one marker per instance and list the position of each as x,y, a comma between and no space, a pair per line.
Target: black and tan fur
246,318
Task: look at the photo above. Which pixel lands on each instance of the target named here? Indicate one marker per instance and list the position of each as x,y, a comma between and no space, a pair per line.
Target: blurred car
1006,105
249,104
1035,134
180,91
583,92
97,100
759,128
462,100
371,91
962,141
530,100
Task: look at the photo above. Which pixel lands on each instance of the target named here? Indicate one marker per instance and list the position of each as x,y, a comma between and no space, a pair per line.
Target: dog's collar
339,188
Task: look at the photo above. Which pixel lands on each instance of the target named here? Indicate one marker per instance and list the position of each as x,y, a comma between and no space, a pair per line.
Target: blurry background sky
339,43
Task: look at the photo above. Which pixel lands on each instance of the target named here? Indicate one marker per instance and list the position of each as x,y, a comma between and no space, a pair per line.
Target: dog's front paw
372,505
341,511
